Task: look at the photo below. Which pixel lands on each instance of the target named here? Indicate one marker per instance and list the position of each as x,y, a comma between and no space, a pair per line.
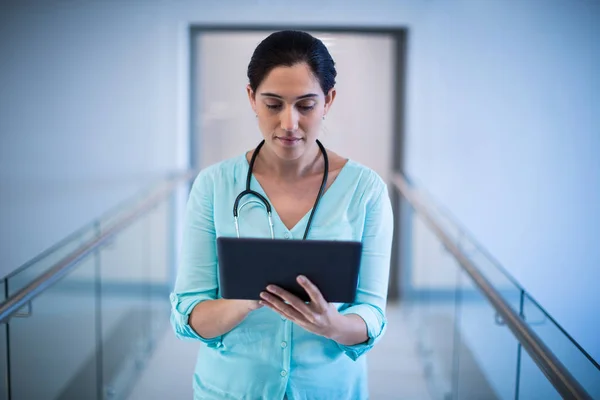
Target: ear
329,99
252,98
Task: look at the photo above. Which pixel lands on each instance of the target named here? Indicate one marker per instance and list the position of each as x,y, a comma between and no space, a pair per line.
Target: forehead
291,81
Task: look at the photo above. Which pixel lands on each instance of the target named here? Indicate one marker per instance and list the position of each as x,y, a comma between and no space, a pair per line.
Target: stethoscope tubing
264,200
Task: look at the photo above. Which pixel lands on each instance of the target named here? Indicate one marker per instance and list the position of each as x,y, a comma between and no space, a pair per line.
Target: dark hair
288,48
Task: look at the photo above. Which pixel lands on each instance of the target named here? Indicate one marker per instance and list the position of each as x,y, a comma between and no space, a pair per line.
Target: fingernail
301,279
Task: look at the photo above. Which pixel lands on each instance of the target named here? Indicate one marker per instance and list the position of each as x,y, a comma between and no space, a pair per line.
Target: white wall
502,117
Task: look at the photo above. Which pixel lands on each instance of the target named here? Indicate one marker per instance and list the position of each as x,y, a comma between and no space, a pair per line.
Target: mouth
288,141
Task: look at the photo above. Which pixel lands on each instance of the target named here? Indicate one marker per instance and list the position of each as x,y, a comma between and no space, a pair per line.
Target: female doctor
281,347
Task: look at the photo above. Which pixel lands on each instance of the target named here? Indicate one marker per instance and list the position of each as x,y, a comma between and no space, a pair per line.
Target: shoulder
369,185
364,177
371,193
221,173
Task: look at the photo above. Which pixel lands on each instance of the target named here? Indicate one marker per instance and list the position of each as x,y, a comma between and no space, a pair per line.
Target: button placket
285,346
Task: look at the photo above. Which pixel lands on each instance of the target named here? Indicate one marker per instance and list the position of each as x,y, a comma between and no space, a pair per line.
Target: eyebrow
304,96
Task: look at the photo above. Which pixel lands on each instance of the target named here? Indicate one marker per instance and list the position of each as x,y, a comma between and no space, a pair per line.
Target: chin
287,153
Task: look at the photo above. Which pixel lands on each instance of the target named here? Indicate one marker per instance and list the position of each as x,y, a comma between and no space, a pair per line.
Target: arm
214,318
349,330
371,296
195,313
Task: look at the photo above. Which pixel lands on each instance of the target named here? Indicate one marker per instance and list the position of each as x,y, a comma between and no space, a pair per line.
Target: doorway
365,124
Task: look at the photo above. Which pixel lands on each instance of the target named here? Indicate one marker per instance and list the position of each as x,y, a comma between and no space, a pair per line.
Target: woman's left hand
318,316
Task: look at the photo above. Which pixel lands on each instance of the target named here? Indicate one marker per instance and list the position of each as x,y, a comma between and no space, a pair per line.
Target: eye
273,106
306,107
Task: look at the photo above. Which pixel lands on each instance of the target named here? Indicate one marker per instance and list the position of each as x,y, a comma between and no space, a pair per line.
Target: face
290,106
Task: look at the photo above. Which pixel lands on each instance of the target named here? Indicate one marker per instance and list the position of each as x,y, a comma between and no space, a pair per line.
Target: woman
282,347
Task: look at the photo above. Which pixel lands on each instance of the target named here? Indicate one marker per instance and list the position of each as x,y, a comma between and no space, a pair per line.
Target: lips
289,140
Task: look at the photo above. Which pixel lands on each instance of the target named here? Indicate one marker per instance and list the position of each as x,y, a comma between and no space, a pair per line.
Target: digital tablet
248,265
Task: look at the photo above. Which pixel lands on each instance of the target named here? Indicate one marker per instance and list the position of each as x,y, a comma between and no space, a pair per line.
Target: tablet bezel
332,265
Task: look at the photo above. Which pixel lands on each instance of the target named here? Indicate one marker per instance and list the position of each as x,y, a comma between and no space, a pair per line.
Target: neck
289,169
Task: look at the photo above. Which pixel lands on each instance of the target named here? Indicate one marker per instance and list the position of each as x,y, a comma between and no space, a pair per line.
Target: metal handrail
562,380
60,269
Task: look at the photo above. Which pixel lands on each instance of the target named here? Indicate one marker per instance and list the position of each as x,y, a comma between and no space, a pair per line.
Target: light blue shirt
267,356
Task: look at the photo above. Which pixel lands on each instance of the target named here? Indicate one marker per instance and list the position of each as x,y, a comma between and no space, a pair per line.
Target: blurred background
482,115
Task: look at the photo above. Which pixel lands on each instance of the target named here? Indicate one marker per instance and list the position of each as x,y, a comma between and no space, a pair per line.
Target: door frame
400,263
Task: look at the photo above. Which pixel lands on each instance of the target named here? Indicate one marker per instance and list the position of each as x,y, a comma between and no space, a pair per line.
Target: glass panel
432,307
490,268
494,274
3,349
533,383
486,349
40,264
159,256
487,354
444,220
126,312
117,297
150,186
440,214
53,345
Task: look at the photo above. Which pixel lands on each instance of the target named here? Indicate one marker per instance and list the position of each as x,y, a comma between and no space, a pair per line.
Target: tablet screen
248,265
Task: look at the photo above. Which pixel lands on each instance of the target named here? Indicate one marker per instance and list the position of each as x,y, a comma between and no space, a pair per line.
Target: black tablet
248,265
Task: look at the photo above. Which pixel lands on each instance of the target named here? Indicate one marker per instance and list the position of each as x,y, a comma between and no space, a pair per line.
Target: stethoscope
265,202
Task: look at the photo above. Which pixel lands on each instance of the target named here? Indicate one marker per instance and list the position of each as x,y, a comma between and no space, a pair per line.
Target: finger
283,312
313,292
293,300
280,307
292,315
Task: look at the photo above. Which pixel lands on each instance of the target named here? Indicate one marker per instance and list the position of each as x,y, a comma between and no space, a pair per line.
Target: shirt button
286,235
283,373
283,345
283,319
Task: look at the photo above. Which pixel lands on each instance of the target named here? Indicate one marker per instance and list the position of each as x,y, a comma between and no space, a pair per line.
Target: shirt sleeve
373,277
197,273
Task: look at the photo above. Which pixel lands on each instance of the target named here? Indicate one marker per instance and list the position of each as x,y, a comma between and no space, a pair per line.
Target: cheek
310,124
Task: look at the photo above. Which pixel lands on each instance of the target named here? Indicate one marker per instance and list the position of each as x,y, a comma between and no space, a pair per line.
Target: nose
289,119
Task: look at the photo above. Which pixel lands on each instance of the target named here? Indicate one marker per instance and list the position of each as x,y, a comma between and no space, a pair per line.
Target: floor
395,369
